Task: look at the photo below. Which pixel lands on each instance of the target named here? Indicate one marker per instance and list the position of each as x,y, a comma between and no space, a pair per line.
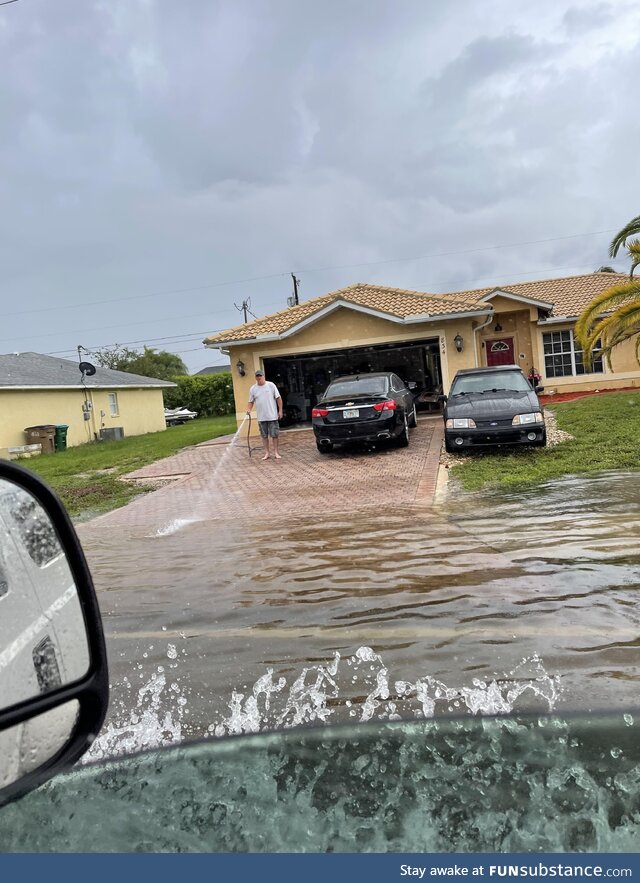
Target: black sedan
364,408
492,406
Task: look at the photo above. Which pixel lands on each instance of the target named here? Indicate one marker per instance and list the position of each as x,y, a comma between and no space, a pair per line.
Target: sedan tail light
389,405
319,412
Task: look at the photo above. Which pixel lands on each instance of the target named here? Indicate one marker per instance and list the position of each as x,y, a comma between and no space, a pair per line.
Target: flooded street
488,603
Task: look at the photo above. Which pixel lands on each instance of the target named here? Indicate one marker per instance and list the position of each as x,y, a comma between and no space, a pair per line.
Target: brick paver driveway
219,480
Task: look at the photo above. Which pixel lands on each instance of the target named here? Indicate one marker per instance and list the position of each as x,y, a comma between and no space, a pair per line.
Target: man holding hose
268,402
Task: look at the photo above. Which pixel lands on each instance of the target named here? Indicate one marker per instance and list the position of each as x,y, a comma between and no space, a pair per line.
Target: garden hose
251,450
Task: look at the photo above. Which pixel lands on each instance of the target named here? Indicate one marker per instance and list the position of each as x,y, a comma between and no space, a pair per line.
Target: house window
563,358
113,403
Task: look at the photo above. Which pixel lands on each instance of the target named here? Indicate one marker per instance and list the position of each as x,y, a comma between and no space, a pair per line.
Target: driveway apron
219,480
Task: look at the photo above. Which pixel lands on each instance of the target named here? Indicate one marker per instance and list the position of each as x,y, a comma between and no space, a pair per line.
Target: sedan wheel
413,418
403,438
324,449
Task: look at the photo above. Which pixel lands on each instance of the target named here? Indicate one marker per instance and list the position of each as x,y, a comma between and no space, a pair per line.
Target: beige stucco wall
515,324
625,373
140,411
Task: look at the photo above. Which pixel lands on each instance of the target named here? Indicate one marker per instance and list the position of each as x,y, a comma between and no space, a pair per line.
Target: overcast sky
160,156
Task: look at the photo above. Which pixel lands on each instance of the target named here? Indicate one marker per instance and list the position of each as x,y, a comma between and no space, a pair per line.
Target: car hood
492,404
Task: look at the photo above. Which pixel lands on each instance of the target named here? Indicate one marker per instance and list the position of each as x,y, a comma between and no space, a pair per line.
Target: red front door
500,351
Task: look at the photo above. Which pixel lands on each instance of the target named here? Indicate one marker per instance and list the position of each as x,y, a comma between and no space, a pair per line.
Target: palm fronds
621,237
634,253
611,317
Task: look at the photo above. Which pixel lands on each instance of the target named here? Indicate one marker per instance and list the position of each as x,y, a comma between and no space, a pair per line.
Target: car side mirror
412,385
53,666
539,388
442,398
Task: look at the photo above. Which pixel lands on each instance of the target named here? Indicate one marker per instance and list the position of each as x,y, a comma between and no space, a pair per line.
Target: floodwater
488,603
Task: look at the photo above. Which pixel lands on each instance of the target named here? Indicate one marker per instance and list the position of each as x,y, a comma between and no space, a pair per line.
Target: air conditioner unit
112,434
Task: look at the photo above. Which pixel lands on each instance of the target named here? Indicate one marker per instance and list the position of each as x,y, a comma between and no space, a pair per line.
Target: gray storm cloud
154,146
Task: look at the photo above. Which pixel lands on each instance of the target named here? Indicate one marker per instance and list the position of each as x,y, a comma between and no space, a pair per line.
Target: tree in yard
161,365
149,363
613,316
115,357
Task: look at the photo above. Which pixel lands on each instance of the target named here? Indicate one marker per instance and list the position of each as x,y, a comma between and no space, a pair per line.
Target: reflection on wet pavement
453,594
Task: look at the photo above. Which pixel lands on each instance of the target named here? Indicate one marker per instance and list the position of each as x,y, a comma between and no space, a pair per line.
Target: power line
172,338
7,2
209,285
108,327
195,335
115,300
444,254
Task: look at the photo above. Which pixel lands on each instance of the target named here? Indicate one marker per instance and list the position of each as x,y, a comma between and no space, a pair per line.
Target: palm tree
620,239
613,316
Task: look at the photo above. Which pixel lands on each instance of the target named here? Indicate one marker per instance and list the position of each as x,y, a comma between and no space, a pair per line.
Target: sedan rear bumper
371,430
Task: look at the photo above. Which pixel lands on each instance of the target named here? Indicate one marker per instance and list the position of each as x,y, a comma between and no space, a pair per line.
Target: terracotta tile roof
395,302
569,295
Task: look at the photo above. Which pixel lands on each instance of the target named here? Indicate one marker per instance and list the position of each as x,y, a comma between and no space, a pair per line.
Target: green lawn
606,430
87,477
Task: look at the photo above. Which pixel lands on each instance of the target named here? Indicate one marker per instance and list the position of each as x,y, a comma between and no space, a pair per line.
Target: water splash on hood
348,689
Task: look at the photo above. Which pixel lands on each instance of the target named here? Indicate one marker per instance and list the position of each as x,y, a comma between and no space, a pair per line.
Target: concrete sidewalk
217,480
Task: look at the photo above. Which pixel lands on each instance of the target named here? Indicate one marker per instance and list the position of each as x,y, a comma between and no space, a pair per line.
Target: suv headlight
523,419
461,423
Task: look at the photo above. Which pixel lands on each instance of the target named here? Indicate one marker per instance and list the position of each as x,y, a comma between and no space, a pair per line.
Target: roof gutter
557,320
79,387
443,317
407,320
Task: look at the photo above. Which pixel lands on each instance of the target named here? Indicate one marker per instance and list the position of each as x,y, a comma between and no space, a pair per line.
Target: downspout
475,339
93,416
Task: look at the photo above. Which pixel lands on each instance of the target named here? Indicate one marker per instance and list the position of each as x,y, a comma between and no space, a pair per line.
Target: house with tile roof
39,390
425,338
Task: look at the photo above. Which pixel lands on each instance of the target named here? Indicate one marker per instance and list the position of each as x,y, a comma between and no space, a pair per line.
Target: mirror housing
539,388
57,722
442,398
412,385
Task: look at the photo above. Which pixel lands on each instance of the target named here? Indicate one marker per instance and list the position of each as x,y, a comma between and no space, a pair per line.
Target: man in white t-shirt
268,402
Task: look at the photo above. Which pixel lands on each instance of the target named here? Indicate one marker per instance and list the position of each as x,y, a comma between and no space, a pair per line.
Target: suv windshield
513,381
363,386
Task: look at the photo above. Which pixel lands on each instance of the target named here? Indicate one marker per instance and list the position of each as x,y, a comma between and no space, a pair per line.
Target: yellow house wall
624,371
348,329
515,324
140,411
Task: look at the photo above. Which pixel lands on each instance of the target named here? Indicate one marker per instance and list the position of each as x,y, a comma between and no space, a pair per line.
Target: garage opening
302,380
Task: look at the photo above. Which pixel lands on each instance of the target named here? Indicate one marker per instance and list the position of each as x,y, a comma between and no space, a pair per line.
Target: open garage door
302,379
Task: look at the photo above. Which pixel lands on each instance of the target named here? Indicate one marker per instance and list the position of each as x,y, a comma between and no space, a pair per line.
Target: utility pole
243,309
295,289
